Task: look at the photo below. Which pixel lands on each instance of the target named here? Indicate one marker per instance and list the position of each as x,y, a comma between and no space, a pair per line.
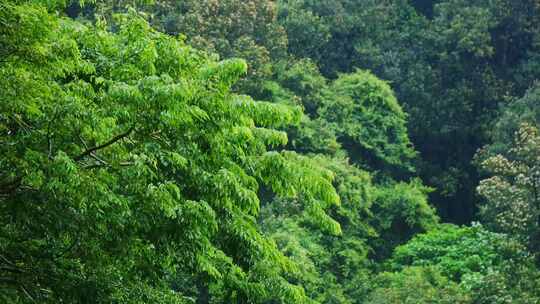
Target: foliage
489,267
512,116
127,164
136,168
331,268
512,204
416,285
451,64
230,29
514,284
367,117
400,211
458,251
373,218
303,79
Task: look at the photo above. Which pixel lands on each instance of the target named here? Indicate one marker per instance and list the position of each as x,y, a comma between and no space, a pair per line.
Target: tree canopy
127,164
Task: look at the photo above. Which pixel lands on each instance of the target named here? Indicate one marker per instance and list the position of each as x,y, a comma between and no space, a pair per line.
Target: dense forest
270,151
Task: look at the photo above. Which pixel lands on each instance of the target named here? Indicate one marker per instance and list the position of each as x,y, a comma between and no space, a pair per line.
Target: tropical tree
130,171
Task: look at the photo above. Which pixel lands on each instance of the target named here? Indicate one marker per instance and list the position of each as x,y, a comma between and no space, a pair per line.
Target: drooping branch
104,145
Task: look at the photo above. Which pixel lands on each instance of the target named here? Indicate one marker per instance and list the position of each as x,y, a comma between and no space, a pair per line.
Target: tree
368,121
451,64
302,79
512,193
458,251
232,29
130,171
373,220
512,115
228,29
489,267
400,211
416,285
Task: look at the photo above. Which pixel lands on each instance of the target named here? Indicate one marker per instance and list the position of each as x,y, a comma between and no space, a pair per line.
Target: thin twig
27,294
83,142
94,156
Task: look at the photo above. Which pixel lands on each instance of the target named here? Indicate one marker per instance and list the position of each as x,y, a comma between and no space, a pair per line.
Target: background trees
512,203
242,29
489,267
451,64
368,121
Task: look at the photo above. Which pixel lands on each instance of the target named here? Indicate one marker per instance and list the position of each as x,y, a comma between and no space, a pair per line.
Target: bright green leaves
168,195
458,251
293,176
416,285
489,267
365,114
268,114
226,72
132,165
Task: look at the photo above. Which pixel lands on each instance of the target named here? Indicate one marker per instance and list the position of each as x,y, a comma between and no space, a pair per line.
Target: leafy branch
104,145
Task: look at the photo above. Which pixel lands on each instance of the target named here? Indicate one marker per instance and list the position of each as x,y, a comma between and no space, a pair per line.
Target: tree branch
108,143
27,293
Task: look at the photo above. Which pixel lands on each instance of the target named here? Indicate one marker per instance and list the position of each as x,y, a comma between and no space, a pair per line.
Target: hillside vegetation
260,151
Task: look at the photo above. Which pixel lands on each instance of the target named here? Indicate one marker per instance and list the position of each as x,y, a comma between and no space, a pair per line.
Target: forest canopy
260,151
